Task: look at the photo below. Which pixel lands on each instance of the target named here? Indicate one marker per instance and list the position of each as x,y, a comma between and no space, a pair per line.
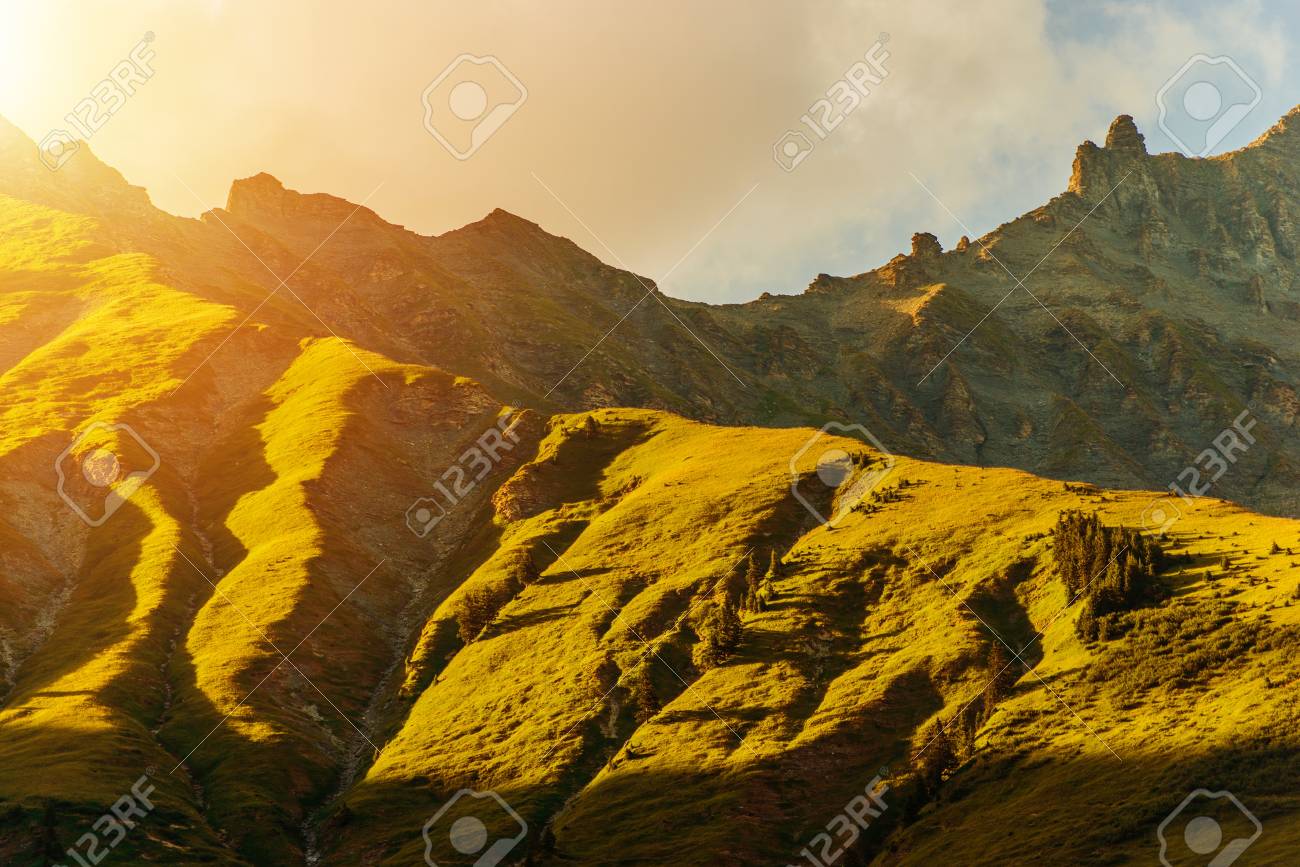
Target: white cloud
985,103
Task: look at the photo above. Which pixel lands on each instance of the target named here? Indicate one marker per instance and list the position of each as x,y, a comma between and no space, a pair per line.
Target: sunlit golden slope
872,634
275,524
87,637
287,459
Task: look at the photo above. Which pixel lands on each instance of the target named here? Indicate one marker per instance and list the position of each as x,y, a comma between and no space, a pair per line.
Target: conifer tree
478,608
720,631
1002,675
1112,568
937,759
642,694
753,574
1086,625
528,573
730,629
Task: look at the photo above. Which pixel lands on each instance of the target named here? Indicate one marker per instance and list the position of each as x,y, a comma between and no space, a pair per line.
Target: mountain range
407,515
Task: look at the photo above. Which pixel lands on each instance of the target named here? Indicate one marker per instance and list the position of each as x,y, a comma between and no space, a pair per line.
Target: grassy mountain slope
875,630
286,463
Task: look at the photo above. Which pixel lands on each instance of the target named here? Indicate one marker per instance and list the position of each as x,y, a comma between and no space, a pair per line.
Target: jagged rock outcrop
1123,135
925,246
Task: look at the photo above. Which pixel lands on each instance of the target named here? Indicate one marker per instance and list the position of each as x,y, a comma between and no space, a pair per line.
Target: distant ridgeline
1114,569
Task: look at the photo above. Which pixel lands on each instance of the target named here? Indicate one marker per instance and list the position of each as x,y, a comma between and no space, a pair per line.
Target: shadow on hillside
96,626
761,809
95,617
1058,808
735,717
561,575
572,473
537,617
37,830
1070,808
1001,613
252,793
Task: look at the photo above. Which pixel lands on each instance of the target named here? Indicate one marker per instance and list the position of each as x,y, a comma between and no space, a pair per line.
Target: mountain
393,528
1159,301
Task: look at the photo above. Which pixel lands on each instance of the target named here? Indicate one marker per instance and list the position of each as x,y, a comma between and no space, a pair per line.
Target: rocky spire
1102,167
925,245
1123,135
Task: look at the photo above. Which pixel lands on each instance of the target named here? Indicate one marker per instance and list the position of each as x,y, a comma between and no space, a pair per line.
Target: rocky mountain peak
1123,135
78,181
914,268
925,245
506,221
1282,133
266,202
1098,168
261,192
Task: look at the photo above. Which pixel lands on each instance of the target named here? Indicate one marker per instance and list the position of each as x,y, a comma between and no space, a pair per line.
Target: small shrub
478,608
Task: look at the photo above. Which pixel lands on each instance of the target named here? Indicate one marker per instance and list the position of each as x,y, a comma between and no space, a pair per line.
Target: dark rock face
1163,283
1156,283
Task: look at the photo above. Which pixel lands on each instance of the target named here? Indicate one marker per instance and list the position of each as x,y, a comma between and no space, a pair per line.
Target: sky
646,132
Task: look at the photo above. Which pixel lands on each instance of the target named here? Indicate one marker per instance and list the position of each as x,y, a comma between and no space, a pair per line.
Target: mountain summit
1123,135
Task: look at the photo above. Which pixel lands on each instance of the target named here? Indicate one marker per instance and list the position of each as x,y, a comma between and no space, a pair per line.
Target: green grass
864,645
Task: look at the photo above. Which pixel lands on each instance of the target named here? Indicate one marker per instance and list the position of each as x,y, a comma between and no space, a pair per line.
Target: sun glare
21,87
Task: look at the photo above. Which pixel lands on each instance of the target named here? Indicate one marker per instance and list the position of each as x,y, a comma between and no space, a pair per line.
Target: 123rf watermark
826,114
102,468
840,480
462,477
105,100
110,829
469,101
1198,478
1208,829
477,825
828,846
1204,101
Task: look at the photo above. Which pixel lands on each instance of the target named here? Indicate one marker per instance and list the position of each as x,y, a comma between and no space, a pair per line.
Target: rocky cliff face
1160,301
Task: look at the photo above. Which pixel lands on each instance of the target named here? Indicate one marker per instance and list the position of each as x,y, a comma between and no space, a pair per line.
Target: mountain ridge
949,374
1122,137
